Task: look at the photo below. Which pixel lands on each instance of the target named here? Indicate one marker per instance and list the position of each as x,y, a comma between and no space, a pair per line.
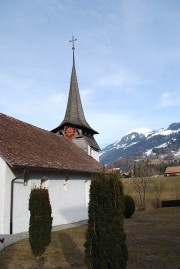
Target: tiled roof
172,169
24,145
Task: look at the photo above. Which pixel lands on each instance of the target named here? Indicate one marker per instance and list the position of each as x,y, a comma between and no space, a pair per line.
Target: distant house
172,171
126,174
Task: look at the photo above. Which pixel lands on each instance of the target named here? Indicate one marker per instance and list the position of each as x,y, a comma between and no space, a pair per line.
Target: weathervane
73,40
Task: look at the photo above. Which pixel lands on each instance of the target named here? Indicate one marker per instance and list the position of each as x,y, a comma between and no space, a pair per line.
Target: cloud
35,105
169,99
52,4
58,98
123,80
85,94
114,80
91,13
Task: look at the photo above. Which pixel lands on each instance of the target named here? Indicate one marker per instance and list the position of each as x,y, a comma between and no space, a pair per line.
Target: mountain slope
138,144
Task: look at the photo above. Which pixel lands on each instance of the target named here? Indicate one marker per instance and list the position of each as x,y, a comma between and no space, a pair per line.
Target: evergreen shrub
105,245
40,223
170,203
129,206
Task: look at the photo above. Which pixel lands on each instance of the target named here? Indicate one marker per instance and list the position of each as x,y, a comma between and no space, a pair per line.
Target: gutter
12,196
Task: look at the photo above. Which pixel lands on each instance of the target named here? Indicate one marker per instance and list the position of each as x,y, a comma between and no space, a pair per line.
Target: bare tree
158,188
177,192
140,185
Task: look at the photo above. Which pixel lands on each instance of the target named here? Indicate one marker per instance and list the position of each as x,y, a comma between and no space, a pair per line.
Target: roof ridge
12,118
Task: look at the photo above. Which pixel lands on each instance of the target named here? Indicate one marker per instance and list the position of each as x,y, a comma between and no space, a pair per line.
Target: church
63,160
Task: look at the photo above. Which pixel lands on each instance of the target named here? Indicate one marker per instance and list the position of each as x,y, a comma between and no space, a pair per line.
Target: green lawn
153,240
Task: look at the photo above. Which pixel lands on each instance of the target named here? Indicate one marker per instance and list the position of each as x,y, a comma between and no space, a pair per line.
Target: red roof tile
172,169
24,145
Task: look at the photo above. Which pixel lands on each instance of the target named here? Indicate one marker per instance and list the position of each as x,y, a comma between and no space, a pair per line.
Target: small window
26,178
44,181
65,185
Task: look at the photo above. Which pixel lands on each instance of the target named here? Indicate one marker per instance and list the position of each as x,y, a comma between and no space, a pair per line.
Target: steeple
74,112
74,124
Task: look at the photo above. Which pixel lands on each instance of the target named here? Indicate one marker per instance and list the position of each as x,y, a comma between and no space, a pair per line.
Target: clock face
69,131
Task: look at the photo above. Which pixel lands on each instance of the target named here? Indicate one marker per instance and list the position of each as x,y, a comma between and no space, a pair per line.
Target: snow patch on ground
177,154
164,145
148,152
131,144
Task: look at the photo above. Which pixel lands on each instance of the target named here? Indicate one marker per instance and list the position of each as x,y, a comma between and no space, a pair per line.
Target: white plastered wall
93,153
82,143
5,185
68,197
2,192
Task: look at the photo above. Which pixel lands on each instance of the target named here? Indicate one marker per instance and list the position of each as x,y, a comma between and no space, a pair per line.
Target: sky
127,57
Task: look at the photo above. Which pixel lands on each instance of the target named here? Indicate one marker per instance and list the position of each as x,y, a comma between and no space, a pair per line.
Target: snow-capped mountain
140,143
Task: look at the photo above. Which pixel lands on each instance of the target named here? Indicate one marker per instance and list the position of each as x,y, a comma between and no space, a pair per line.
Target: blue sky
127,61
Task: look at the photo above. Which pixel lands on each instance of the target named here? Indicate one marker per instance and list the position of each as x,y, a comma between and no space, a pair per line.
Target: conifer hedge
129,206
40,223
105,246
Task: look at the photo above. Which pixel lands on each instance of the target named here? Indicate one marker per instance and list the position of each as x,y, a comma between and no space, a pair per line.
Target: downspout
12,196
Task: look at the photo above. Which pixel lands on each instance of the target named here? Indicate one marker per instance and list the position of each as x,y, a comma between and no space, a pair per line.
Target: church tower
74,126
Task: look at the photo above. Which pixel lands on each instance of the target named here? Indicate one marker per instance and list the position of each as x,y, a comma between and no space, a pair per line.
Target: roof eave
60,127
35,168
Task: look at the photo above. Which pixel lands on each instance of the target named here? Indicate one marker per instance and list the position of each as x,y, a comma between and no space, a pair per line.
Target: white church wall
21,213
20,206
68,197
93,153
82,143
20,203
22,192
2,193
87,189
5,180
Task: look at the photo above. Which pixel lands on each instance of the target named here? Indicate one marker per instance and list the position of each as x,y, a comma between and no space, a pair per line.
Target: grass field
153,240
170,189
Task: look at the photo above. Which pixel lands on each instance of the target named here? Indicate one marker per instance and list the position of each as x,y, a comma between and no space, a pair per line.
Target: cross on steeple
73,40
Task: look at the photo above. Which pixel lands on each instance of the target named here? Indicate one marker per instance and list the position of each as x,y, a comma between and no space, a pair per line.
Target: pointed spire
74,112
74,117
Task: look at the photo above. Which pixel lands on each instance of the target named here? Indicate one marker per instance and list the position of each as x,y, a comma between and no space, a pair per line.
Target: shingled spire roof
74,112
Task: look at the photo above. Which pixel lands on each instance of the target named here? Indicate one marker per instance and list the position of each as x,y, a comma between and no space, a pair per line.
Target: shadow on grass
3,261
39,264
73,255
6,257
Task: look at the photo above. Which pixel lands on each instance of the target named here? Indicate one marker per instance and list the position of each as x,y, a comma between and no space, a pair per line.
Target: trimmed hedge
40,223
170,203
129,206
105,246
